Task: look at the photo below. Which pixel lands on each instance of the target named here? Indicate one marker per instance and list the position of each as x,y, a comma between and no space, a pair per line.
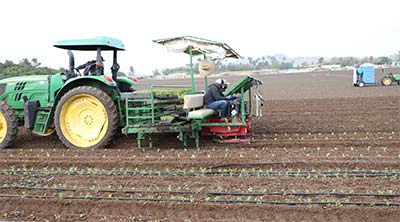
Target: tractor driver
215,99
90,67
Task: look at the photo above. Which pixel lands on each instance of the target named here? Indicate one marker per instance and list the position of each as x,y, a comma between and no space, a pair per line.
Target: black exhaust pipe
115,67
71,63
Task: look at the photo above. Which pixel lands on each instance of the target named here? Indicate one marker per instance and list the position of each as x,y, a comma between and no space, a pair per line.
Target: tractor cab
95,67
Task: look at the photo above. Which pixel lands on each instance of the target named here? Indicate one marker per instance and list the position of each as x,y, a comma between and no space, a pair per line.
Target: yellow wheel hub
387,81
3,127
83,120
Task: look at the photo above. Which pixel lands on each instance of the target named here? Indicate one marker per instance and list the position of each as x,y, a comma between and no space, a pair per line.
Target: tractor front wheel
8,125
386,81
86,117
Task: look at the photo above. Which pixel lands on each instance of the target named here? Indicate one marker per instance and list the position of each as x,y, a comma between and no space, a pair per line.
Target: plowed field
322,151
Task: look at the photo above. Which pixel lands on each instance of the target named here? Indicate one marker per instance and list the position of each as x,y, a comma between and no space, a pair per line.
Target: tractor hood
15,90
24,79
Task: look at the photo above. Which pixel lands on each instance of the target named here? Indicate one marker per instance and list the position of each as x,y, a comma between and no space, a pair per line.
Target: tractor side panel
56,84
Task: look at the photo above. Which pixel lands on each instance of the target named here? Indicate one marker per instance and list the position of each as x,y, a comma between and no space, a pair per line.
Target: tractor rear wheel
8,125
386,81
86,117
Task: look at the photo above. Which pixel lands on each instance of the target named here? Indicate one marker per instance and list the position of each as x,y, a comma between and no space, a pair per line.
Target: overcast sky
253,28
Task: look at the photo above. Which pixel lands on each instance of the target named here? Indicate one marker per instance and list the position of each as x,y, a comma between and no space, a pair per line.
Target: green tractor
390,78
83,108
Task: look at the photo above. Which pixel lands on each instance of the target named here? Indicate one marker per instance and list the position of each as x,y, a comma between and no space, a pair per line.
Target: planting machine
87,110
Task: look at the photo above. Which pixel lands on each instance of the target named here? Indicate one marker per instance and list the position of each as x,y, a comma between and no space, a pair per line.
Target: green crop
167,92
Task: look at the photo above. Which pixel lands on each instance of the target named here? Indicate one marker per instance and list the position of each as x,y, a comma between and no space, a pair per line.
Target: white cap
221,81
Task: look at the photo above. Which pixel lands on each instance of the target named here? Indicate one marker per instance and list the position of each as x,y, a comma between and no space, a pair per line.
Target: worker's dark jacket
89,63
214,93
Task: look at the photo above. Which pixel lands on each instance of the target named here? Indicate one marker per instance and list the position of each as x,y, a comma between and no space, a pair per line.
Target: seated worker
215,99
90,67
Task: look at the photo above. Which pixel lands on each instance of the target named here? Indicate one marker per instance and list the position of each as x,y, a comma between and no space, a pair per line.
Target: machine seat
200,114
195,103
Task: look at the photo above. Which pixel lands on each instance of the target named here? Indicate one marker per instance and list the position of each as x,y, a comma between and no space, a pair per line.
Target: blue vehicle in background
364,75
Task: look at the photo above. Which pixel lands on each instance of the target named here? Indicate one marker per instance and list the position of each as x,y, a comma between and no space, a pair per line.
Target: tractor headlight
2,88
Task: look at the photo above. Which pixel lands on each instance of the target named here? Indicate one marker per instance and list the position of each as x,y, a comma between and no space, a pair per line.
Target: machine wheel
361,84
86,117
386,81
8,125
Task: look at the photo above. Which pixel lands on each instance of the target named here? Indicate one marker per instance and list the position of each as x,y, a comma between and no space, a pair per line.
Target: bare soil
311,121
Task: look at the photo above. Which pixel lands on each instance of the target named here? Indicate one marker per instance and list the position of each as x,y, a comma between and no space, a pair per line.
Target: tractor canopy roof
102,42
199,46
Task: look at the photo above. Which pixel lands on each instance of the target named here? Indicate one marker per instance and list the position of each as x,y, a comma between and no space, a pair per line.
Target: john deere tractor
83,108
390,78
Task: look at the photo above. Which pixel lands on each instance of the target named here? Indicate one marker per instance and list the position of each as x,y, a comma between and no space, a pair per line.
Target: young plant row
191,199
331,135
249,192
202,172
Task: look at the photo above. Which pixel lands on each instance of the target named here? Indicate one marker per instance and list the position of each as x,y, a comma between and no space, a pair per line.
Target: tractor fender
127,84
129,80
102,82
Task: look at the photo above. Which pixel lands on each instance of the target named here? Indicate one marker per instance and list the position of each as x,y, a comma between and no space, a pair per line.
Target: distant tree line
252,64
168,71
271,62
25,67
351,61
33,66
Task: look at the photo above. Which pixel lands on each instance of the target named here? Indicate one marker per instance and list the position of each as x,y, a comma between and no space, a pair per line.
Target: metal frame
148,109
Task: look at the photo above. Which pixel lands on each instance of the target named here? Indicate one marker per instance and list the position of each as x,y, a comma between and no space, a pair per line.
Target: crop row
209,172
350,135
249,192
183,199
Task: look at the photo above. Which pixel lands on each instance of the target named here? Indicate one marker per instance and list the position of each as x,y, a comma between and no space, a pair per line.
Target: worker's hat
222,81
206,67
